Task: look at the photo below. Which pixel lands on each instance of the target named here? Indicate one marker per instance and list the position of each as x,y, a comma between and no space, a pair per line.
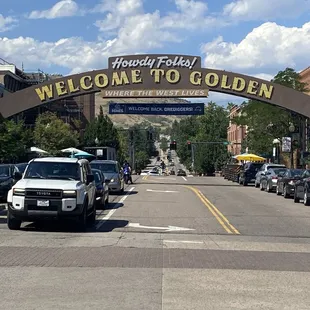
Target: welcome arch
155,75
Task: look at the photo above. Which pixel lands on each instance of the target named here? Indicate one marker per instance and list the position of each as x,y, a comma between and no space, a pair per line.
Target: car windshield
252,166
105,168
51,170
21,167
97,176
4,171
296,172
279,171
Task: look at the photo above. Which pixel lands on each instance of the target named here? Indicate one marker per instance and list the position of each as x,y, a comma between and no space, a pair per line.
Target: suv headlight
69,194
19,191
112,180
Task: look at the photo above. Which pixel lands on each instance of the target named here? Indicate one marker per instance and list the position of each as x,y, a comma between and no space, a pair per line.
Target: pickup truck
53,188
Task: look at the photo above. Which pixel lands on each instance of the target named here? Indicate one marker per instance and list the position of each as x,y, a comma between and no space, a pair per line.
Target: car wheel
13,223
277,191
285,194
261,186
296,199
306,199
92,217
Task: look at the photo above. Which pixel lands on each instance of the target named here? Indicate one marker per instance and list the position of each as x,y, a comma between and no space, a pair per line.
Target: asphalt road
167,243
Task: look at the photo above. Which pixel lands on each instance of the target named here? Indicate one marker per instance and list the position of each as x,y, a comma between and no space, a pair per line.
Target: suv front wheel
82,220
13,223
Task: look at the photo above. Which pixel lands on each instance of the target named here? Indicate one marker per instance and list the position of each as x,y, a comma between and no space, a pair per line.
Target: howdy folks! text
176,62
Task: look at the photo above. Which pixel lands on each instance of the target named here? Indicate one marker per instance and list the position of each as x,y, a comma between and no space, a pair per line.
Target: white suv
53,187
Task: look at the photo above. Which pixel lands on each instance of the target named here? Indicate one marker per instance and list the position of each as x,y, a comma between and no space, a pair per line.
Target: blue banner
157,109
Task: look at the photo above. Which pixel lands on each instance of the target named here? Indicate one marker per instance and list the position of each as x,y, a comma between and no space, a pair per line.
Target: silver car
112,172
262,171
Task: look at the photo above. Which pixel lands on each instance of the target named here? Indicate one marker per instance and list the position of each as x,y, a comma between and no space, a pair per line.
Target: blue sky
255,37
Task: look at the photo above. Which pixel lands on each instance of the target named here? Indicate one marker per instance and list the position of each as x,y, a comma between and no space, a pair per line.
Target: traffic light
189,145
173,145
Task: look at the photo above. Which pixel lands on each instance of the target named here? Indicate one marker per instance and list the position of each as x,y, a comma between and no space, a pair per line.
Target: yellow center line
216,213
220,213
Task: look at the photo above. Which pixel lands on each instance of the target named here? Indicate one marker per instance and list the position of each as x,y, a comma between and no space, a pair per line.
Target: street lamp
291,129
276,150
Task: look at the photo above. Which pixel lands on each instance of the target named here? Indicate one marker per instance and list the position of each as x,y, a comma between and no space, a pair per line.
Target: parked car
263,170
248,173
302,188
181,172
102,188
21,167
286,182
269,179
112,172
7,180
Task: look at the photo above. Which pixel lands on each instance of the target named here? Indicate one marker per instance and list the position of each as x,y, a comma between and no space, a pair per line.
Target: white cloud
267,49
64,8
7,23
265,10
190,15
117,12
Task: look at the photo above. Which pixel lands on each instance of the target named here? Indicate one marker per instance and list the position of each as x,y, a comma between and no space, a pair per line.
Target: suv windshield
4,171
51,170
107,168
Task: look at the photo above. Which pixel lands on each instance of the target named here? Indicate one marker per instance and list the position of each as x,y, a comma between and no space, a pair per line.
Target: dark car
102,188
269,179
248,173
7,180
181,172
286,182
21,167
302,188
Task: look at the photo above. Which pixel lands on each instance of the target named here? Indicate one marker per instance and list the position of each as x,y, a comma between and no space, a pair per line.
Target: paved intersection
167,243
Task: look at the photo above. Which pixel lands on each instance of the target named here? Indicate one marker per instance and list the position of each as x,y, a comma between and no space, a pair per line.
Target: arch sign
155,76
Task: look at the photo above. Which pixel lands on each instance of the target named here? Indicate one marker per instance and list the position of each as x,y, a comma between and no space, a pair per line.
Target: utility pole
193,156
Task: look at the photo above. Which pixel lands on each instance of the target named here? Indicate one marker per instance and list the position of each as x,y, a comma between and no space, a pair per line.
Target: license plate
43,203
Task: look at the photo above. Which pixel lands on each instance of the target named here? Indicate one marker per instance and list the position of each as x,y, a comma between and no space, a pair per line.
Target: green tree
15,140
210,127
52,134
164,144
104,130
268,122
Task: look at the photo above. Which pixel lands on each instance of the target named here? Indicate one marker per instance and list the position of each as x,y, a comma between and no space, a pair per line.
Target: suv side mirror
90,178
17,176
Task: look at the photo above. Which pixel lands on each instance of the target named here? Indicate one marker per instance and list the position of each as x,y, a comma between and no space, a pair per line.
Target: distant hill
125,120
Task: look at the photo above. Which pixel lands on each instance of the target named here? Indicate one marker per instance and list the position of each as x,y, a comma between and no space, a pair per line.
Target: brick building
305,78
235,133
81,108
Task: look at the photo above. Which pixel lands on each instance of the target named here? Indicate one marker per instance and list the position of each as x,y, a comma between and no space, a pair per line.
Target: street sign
157,109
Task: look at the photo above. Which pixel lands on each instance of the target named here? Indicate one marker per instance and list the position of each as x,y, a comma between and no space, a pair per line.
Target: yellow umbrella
250,157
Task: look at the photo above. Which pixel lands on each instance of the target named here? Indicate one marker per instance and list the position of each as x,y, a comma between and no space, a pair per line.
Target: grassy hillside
124,120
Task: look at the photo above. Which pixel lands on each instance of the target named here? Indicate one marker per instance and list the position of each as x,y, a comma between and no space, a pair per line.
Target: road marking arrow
169,228
157,191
